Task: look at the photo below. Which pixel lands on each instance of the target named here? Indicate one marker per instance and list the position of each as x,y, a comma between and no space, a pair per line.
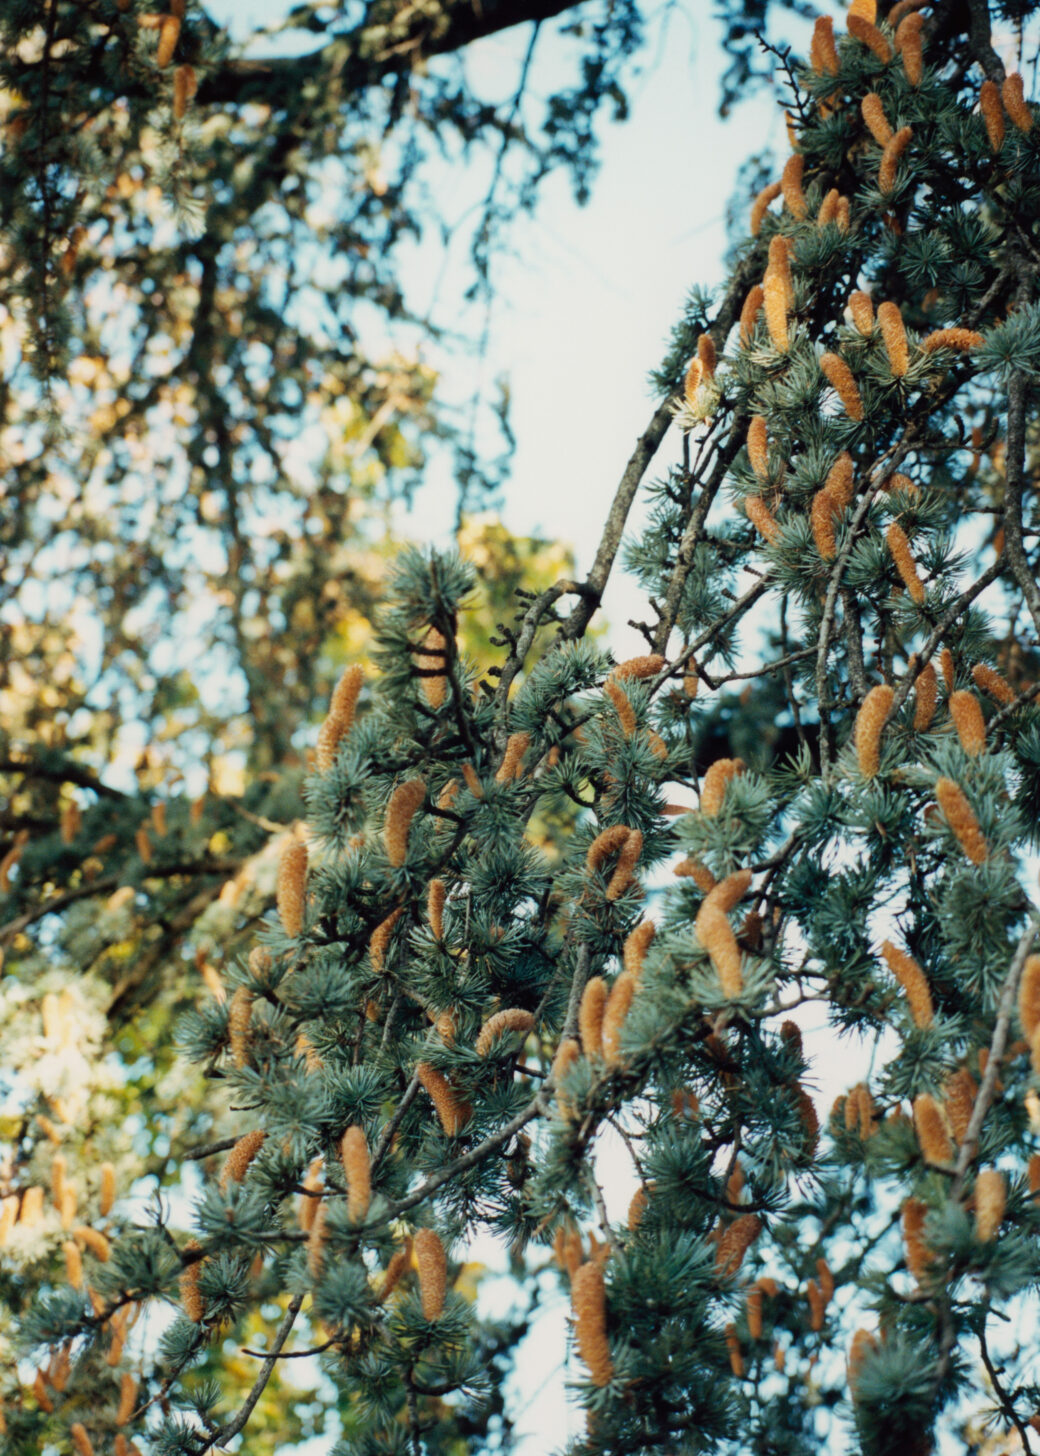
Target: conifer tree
434,1029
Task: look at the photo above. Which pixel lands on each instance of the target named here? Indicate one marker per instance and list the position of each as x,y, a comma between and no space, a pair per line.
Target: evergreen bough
435,1029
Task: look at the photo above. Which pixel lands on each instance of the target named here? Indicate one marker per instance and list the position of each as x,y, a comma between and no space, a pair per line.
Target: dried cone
817,1307
316,1240
926,689
859,1111
861,308
499,1025
708,357
761,203
992,113
73,1263
1029,997
700,874
870,36
240,1011
453,1112
828,212
626,714
715,934
932,1136
435,902
342,709
80,1439
959,1096
381,937
400,811
899,549
962,340
606,843
32,1206
71,821
758,446
127,1398
357,1170
590,1016
292,887
888,169
761,517
893,334
692,381
1015,103
825,510
624,870
775,300
870,720
908,44
8,1216
990,1200
918,1254
308,1204
877,124
713,786
754,1311
991,682
735,1242
823,52
589,1302
863,1344
736,1359
432,1264
780,265
192,1303
567,1053
618,1003
236,1164
791,184
750,312
94,1240
431,662
840,480
913,981
185,85
395,1270
839,376
169,34
512,765
650,663
636,945
58,1169
966,712
826,1279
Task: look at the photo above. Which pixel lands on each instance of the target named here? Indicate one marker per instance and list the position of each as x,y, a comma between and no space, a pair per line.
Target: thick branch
392,39
610,541
987,1090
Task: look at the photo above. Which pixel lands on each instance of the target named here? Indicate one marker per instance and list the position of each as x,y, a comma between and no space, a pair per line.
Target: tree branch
232,1427
391,40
